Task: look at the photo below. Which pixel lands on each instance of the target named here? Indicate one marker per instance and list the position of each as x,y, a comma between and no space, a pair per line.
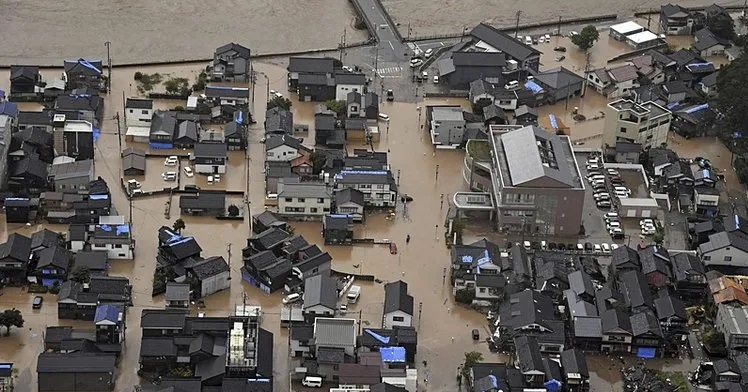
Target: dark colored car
476,334
560,49
588,247
191,188
390,95
37,304
561,246
552,246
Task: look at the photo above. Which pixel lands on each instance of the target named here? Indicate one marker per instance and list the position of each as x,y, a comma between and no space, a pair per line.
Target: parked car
560,49
605,247
428,52
188,171
593,166
612,172
291,298
611,215
597,248
512,85
390,95
572,33
601,194
560,58
646,221
133,184
604,204
169,176
436,79
383,117
415,63
476,334
171,160
37,303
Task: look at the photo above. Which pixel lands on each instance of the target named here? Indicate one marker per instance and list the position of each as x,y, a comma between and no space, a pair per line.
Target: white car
428,52
597,248
646,221
291,298
601,195
572,33
611,215
612,224
606,247
278,95
512,85
415,63
593,166
593,160
171,161
188,171
347,68
169,176
648,231
613,246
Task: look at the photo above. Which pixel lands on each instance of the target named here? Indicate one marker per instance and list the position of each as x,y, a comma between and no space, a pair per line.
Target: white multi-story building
305,201
647,123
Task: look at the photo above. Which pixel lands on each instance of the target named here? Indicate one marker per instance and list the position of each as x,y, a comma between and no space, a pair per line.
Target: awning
646,352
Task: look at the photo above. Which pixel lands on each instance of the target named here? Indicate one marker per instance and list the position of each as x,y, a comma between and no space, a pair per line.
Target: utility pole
586,71
437,172
228,249
558,30
109,66
516,27
420,310
409,31
119,133
342,45
253,77
649,20
441,202
398,177
124,106
376,68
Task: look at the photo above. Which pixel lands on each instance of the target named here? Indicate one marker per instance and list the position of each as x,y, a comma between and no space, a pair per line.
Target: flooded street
421,263
428,18
144,31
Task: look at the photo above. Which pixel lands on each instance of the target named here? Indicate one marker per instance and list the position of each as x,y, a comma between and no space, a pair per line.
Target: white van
312,382
353,293
528,40
384,117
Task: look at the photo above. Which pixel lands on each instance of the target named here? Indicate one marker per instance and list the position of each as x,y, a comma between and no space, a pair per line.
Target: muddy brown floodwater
143,31
420,264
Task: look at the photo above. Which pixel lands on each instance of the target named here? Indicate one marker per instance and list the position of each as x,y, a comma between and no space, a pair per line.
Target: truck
353,293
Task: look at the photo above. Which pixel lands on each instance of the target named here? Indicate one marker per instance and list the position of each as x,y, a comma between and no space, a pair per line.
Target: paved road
389,42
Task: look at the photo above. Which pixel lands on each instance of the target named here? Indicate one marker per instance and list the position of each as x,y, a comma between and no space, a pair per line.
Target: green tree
465,296
471,358
318,161
233,210
179,225
339,107
280,102
732,83
81,275
721,25
586,38
714,340
658,238
11,318
178,86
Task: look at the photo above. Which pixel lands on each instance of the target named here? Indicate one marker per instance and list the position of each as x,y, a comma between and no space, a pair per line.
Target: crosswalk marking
389,70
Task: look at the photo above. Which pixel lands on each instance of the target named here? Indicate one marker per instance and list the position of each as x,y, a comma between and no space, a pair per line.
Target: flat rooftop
626,28
642,109
642,37
473,200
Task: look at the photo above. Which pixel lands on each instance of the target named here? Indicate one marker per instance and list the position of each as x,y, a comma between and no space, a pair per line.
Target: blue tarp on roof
696,108
98,197
123,229
240,118
383,339
88,65
105,227
534,87
161,146
2,93
9,108
673,105
467,259
107,312
392,354
51,282
552,386
96,133
552,119
646,352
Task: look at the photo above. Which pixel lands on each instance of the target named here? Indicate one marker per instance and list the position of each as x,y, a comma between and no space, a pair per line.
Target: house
724,251
305,201
28,177
373,340
378,186
177,295
115,240
273,239
525,115
647,334
371,105
487,37
617,332
357,375
235,132
334,341
79,300
303,166
325,129
688,276
231,63
284,148
643,40
211,275
81,107
77,139
97,262
317,87
77,371
551,276
51,266
24,79
646,124
228,96
560,83
298,66
138,112
530,312
266,220
615,82
732,322
71,177
576,373
83,73
671,313
347,82
633,286
621,31
655,265
350,202
162,130
186,134
728,291
466,66
528,361
627,152
311,262
278,121
707,44
398,305
211,203
523,171
33,119
447,125
15,254
356,128
337,229
694,120
320,297
676,20
266,270
210,158
133,162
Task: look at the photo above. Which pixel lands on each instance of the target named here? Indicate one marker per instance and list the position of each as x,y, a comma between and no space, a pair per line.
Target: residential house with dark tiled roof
50,266
525,56
671,312
655,265
532,313
676,19
529,361
79,300
83,73
265,269
625,258
231,63
617,332
320,297
398,305
576,373
15,254
334,344
635,290
647,334
707,44
551,275
689,277
210,275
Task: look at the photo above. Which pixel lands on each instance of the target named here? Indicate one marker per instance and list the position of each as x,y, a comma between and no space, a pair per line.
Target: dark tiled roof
482,59
528,354
311,64
396,298
615,319
525,308
685,264
45,238
76,363
503,41
574,361
654,259
645,323
55,256
349,195
670,306
633,286
625,255
163,319
17,247
209,267
136,103
210,150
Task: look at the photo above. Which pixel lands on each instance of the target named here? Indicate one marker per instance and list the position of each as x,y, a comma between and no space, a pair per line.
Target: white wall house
283,148
348,82
398,305
305,201
647,123
724,249
138,112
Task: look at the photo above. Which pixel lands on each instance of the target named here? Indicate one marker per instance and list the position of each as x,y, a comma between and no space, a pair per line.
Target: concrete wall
389,321
215,283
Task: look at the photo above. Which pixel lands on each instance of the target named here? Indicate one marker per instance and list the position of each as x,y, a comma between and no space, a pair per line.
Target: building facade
646,124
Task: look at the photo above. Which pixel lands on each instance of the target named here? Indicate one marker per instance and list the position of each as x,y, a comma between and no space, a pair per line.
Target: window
289,199
398,318
482,290
623,130
144,112
706,258
320,201
302,200
728,258
313,210
132,111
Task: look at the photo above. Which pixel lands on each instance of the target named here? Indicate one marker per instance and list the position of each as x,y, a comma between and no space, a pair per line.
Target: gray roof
504,42
396,298
240,50
215,200
280,140
210,150
573,361
349,195
625,255
654,259
353,97
446,66
163,124
311,64
350,78
95,260
187,129
525,308
623,73
525,161
279,119
209,267
320,290
137,103
615,319
177,291
163,318
334,331
686,264
633,286
528,354
72,169
588,327
305,189
705,39
481,59
645,323
524,109
559,78
577,306
227,92
54,256
581,283
724,239
670,306
674,10
95,363
324,121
